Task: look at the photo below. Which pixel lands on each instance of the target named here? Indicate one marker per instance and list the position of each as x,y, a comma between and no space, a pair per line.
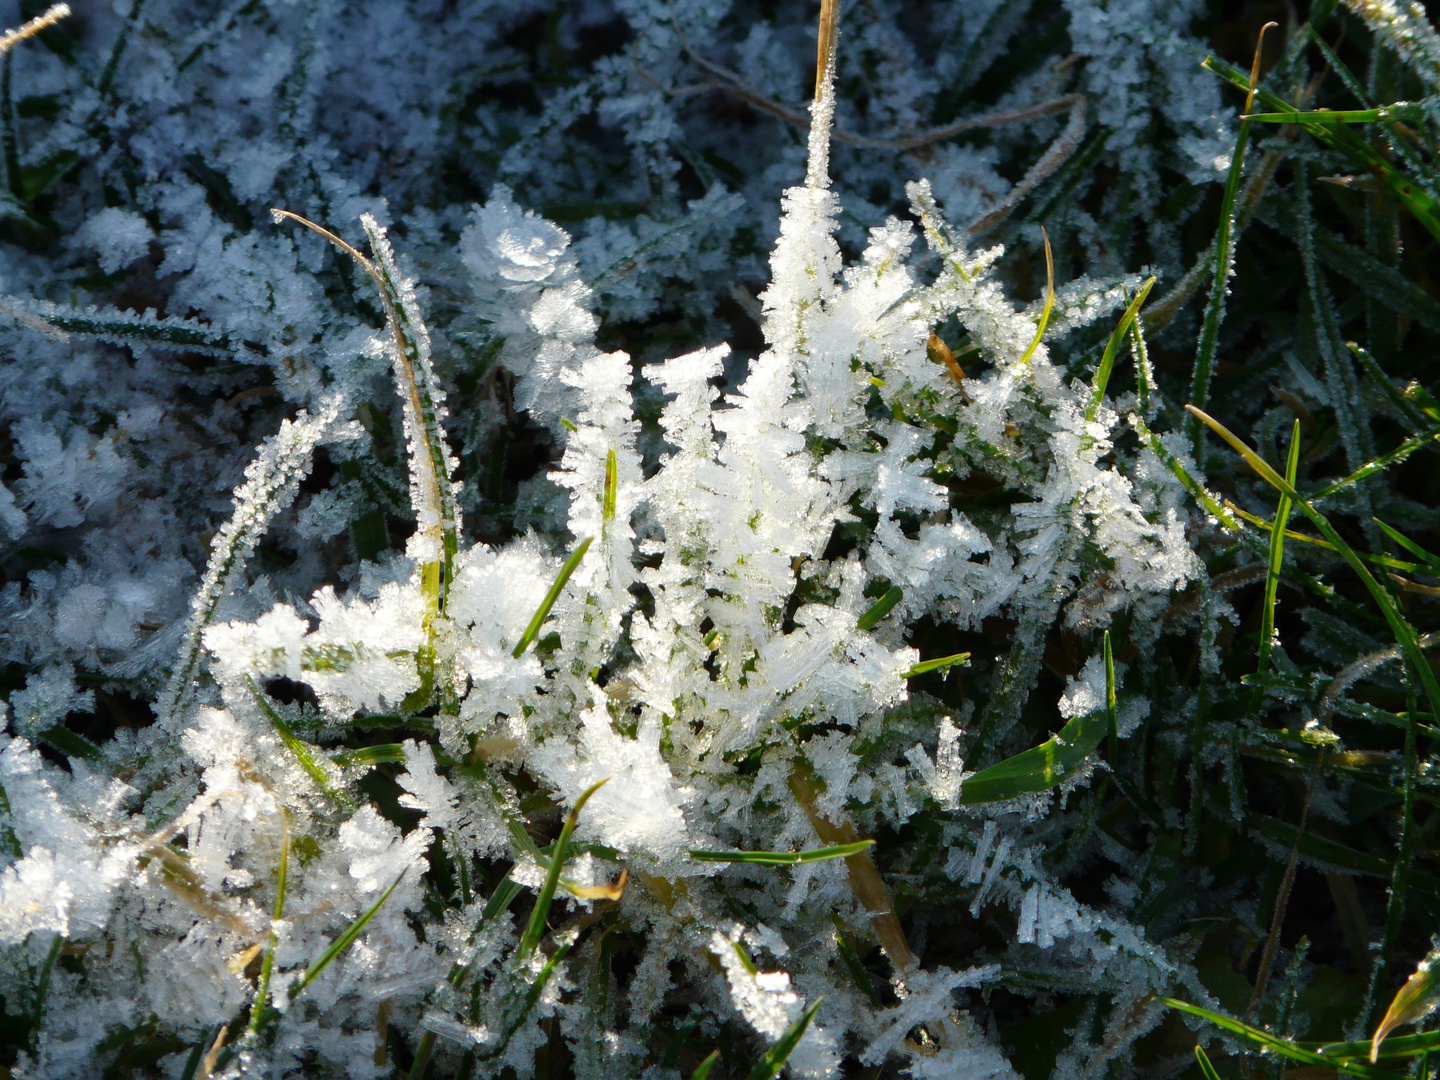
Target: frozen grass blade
784,858
1403,634
1049,301
262,991
1276,1045
1112,347
42,987
880,609
1272,571
941,663
703,1069
296,745
775,1058
543,611
1404,110
1041,767
1224,261
612,485
535,928
345,940
1338,137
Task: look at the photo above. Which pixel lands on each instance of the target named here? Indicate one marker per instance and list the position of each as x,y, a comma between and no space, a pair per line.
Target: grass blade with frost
345,940
1112,347
262,990
538,621
535,928
296,745
1403,634
775,1058
1276,1045
1272,571
783,858
880,609
1224,263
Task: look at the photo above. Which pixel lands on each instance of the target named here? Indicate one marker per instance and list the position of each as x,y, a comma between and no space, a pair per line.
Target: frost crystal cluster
512,649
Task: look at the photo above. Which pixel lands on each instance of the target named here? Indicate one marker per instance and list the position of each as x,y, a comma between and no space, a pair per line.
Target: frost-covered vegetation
597,539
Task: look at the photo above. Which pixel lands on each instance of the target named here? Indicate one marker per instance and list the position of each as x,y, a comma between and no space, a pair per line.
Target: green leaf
550,597
783,858
1430,561
295,745
1206,1068
345,940
1402,631
1112,348
880,609
1039,768
1339,137
703,1069
536,926
1414,1001
939,664
1402,110
775,1058
1276,1045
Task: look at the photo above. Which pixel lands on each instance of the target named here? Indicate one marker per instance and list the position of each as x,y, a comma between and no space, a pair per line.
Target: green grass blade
612,485
703,1069
42,985
345,940
1044,311
1112,348
365,756
1177,467
1338,137
1224,261
530,939
1041,767
296,746
262,990
1403,110
1401,1046
543,612
9,842
783,858
1276,1045
1404,636
1314,541
939,664
70,744
1409,545
775,1058
1272,570
880,609
1206,1069
1112,714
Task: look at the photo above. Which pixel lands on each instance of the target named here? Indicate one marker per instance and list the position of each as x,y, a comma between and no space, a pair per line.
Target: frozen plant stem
1224,261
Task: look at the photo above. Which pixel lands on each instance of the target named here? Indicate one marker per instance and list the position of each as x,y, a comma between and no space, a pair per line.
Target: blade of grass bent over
1049,301
1404,636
